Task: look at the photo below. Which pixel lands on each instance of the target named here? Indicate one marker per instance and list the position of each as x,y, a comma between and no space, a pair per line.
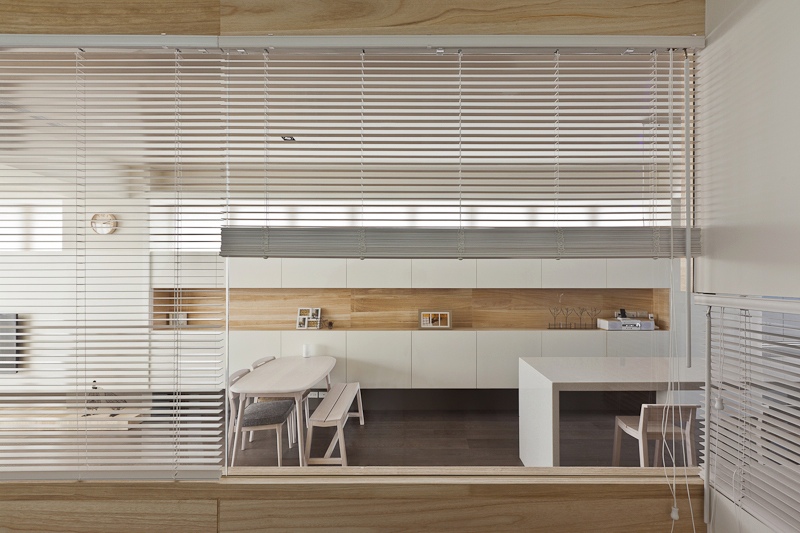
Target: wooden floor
451,438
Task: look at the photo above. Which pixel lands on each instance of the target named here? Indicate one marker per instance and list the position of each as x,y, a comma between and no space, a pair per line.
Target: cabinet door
638,273
320,342
632,344
379,359
499,353
443,360
574,273
443,273
244,347
509,273
314,273
379,273
566,343
254,272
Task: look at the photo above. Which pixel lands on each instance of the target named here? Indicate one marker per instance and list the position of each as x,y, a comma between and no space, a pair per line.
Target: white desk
285,377
541,380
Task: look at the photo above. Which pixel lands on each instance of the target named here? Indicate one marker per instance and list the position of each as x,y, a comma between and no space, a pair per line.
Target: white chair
260,362
233,402
292,431
657,422
264,360
258,416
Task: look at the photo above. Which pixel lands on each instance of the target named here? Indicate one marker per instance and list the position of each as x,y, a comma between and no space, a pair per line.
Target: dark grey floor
451,438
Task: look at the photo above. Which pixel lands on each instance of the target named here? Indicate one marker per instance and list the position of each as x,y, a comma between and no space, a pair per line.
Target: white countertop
618,373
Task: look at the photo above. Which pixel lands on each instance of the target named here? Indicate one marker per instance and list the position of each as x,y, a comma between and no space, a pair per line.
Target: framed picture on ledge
435,320
308,317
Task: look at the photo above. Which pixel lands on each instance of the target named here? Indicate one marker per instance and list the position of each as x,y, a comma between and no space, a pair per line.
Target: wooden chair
258,416
657,422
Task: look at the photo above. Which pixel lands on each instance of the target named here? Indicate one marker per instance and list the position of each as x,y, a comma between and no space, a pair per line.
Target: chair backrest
233,399
681,415
263,361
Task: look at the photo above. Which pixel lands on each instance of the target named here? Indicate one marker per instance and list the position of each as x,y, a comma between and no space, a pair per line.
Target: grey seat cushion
267,413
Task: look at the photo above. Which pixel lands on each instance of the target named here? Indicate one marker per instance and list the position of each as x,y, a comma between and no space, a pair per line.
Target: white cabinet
574,273
379,273
499,353
443,360
638,273
443,273
314,273
578,343
509,273
320,342
379,359
187,269
637,343
254,272
244,347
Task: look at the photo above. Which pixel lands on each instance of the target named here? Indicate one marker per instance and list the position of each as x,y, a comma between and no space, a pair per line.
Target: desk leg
556,427
298,407
238,428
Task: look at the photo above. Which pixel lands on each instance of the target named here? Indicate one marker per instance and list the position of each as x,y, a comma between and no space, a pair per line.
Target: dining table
284,377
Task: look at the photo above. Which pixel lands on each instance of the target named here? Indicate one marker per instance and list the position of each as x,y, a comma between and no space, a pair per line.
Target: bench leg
342,452
307,452
332,445
360,407
617,445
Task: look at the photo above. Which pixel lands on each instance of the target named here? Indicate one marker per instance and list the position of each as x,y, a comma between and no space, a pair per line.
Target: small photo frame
308,317
435,320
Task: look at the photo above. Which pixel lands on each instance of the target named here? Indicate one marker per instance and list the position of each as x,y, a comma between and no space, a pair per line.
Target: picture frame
435,320
308,318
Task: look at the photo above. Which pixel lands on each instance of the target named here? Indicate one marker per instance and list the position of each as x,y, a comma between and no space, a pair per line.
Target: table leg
238,428
328,382
298,407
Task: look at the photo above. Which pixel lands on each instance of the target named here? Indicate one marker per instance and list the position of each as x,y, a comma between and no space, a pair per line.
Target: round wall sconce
104,223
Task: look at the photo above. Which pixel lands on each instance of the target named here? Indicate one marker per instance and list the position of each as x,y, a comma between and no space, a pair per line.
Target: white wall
749,116
749,138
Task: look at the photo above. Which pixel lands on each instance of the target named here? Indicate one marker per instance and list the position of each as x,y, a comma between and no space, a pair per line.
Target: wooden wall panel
276,309
359,17
463,507
356,499
463,17
138,516
104,17
398,309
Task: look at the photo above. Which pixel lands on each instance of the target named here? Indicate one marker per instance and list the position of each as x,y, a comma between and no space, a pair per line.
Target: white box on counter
626,324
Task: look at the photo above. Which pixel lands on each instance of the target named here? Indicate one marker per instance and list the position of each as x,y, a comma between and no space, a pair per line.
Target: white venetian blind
754,422
457,153
111,345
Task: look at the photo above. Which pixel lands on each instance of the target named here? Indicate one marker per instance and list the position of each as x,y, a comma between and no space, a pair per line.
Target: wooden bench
334,410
